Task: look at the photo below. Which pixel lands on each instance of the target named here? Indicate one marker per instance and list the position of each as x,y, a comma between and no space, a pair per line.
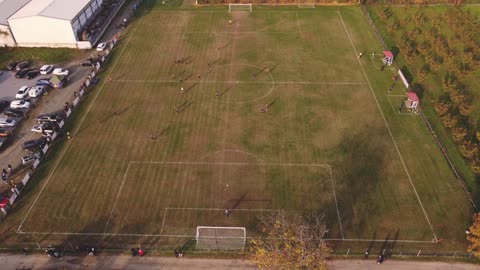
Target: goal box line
248,6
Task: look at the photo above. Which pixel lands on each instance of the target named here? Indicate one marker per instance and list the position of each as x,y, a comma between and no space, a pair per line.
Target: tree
468,149
291,242
474,236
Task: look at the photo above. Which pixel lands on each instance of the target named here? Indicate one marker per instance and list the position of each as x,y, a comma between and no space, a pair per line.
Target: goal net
221,238
239,7
306,3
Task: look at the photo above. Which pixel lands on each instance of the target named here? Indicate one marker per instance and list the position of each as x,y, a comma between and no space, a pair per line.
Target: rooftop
60,9
9,7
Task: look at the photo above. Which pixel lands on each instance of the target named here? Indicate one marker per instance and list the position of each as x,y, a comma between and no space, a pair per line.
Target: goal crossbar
239,7
306,3
221,238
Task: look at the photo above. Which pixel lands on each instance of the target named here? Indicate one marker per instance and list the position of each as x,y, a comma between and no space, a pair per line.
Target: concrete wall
40,31
6,39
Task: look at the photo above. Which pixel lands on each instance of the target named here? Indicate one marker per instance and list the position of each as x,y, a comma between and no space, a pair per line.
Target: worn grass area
135,166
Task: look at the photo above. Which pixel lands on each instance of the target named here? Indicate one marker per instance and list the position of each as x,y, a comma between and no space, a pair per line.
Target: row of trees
450,59
455,105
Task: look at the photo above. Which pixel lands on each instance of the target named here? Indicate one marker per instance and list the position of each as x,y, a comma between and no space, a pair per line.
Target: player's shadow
156,136
225,91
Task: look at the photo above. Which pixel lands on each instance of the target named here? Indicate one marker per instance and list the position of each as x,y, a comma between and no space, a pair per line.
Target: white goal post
306,3
221,238
239,7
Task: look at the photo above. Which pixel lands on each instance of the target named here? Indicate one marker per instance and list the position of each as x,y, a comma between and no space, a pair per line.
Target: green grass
323,132
39,55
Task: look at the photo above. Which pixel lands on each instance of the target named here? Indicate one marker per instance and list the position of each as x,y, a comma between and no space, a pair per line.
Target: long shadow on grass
358,175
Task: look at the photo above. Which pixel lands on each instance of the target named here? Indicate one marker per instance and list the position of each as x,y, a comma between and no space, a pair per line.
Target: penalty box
173,198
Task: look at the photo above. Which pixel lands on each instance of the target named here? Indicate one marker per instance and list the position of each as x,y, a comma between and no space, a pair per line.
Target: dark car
22,65
5,132
13,113
4,104
87,63
22,73
34,145
32,74
44,82
11,66
54,117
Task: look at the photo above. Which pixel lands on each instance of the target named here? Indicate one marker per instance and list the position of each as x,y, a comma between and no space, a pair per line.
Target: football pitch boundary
62,154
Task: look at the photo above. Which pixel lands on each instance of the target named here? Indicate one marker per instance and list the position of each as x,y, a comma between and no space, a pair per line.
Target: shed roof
9,7
412,96
60,9
388,54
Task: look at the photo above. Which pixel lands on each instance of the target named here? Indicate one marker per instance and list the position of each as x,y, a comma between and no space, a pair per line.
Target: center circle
239,83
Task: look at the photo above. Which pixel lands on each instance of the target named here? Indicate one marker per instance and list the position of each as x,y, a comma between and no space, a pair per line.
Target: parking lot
11,151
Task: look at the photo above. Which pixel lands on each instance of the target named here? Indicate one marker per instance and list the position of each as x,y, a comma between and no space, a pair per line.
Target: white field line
336,202
234,151
298,24
194,236
232,163
118,196
163,220
388,127
244,82
222,209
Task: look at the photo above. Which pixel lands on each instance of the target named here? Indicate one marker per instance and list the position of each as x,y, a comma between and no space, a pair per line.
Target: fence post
419,251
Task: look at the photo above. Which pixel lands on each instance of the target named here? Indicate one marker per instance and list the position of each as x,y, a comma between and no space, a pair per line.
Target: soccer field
271,111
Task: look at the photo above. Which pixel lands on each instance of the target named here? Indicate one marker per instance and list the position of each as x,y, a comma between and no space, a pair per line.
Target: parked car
22,73
32,74
34,145
45,69
5,132
30,158
87,63
53,117
11,66
44,82
101,47
36,91
22,65
13,113
4,104
22,92
60,71
7,122
20,104
47,128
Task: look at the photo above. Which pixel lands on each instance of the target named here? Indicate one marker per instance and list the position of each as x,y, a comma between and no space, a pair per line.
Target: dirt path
40,262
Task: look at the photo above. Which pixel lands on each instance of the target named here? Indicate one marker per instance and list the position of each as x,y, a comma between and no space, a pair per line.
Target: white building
7,9
62,23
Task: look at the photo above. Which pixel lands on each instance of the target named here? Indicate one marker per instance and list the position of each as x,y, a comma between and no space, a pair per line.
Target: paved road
39,262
